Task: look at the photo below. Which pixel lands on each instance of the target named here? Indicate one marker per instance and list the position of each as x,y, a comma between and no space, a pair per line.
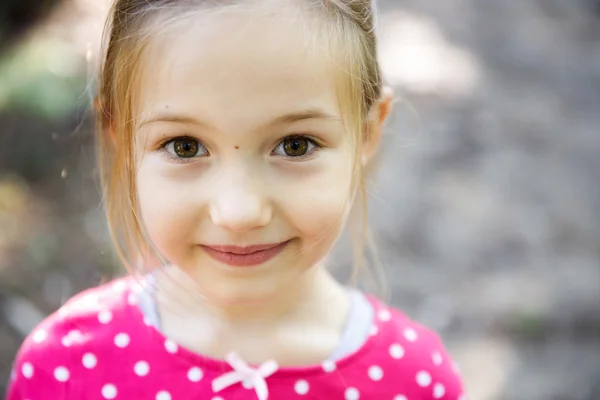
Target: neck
304,299
300,324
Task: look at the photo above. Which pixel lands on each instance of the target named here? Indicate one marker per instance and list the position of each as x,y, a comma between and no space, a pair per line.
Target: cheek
319,203
163,208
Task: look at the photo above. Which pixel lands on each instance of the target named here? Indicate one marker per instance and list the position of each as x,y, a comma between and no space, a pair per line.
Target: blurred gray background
486,207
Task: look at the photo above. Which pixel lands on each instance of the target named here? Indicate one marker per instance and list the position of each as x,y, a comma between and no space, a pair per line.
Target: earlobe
380,113
386,104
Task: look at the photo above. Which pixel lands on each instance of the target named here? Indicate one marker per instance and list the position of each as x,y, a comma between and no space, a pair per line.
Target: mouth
244,256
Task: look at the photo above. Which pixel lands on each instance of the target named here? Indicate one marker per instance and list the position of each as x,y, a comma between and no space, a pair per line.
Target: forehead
238,66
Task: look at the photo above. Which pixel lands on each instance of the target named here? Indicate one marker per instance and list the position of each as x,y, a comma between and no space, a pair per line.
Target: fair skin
235,88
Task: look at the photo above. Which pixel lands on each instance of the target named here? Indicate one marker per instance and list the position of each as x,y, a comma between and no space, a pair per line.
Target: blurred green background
486,208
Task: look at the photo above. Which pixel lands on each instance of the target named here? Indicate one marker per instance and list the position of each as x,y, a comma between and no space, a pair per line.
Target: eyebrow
174,118
313,113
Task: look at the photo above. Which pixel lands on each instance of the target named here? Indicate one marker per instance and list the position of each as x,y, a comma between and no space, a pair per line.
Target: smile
238,256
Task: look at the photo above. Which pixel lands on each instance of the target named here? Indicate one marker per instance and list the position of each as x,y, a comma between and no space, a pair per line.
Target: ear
379,114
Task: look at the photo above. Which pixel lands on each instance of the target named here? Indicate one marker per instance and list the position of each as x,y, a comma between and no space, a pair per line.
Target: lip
244,256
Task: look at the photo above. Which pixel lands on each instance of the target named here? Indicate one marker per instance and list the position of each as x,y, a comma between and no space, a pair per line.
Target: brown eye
184,147
296,146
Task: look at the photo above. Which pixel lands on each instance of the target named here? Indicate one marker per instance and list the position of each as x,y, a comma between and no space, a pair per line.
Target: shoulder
411,349
52,358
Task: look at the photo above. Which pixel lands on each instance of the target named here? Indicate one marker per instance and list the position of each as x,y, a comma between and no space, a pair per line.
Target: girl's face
240,143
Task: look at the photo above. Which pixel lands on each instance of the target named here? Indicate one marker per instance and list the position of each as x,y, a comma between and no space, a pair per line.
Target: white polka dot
438,391
171,346
410,334
374,330
61,374
109,391
163,395
72,337
118,286
122,340
396,351
384,315
423,379
217,398
89,360
39,336
328,366
105,316
436,357
27,370
301,387
352,394
400,397
375,373
63,312
195,374
141,368
88,301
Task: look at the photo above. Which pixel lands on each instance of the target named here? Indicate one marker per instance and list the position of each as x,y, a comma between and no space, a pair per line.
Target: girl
233,139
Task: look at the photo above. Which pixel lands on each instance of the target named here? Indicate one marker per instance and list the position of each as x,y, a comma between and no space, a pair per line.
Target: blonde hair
350,24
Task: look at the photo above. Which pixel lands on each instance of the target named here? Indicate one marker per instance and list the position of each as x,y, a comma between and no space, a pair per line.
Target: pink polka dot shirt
99,346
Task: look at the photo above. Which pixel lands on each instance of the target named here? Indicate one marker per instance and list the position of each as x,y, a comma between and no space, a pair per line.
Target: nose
240,204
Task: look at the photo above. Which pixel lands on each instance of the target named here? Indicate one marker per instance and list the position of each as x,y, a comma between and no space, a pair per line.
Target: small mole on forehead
237,147
167,106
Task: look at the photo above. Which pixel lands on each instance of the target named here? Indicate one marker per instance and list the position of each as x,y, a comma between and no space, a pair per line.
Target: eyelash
163,148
